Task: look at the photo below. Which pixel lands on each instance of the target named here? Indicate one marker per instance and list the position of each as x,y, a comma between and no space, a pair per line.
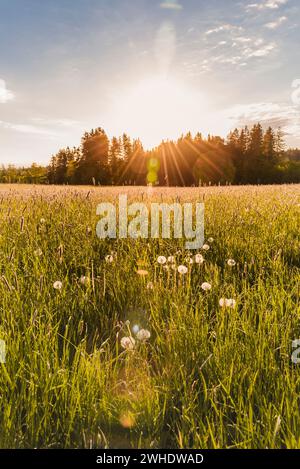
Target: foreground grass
209,377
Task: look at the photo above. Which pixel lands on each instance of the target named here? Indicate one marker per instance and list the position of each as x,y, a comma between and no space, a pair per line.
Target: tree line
247,156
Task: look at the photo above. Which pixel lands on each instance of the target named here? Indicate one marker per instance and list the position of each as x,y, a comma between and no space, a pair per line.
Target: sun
158,108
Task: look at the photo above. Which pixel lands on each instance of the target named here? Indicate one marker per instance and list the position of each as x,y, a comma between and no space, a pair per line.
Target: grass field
209,376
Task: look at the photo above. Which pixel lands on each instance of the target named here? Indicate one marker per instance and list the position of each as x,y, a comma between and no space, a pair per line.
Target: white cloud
262,51
5,94
171,5
28,129
63,122
277,23
269,4
222,28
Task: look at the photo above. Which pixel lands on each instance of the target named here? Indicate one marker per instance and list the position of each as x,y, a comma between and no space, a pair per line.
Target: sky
151,68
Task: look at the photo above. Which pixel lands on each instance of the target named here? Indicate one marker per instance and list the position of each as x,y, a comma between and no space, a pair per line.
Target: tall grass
209,377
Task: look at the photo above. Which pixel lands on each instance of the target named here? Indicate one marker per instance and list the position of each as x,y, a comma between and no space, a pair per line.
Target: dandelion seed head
199,259
143,335
128,343
84,280
231,262
57,285
161,260
206,286
109,259
182,269
206,247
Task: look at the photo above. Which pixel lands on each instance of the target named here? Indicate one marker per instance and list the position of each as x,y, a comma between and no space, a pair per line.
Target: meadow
114,344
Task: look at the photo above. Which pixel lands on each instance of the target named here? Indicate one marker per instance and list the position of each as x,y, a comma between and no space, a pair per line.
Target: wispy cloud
269,4
171,5
5,94
29,129
222,28
260,50
63,122
275,24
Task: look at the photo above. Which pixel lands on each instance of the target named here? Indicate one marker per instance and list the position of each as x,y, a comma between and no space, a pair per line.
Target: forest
248,156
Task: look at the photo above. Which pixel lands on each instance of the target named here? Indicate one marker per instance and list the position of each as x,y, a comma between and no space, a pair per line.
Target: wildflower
231,262
57,285
128,343
142,273
150,286
171,259
206,247
227,303
143,335
210,240
182,269
109,259
199,259
38,252
161,260
42,221
206,286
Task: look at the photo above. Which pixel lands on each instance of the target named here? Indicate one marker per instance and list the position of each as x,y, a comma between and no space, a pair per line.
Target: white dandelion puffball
42,221
206,247
128,343
206,286
57,285
109,259
230,303
161,260
171,259
143,335
210,240
38,252
227,303
231,262
182,269
199,259
84,280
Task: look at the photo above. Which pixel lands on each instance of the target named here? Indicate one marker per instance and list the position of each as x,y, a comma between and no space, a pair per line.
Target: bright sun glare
159,108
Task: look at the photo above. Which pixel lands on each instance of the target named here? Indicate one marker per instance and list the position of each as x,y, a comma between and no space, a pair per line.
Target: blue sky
152,68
